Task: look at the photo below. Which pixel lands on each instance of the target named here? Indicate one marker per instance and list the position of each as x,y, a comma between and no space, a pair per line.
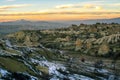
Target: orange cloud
59,16
63,16
58,12
88,6
65,6
85,6
4,8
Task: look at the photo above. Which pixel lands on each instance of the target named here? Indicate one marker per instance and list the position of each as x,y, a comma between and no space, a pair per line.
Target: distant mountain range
34,24
92,21
13,26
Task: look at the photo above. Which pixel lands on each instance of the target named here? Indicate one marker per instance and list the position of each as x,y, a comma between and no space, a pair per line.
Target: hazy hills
13,26
27,23
93,21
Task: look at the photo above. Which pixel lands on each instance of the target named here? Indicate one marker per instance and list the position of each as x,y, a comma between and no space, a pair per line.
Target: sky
52,10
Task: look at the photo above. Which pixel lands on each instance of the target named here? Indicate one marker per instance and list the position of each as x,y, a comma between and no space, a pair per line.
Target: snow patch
56,75
53,67
79,77
3,72
8,43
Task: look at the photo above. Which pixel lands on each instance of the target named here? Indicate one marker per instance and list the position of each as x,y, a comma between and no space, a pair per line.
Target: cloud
65,6
117,4
88,6
85,6
98,7
10,0
54,13
7,7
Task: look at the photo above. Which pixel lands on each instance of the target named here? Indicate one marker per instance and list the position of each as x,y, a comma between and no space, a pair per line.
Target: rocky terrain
84,52
97,39
40,63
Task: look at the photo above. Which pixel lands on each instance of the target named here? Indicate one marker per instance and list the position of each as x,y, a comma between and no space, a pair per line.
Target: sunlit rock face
26,38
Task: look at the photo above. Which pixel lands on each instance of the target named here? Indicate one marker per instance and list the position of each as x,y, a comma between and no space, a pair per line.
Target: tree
20,36
103,49
68,38
27,41
88,45
78,44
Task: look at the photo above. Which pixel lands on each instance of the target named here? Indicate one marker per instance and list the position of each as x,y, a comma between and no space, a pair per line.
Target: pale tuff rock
103,49
78,44
109,39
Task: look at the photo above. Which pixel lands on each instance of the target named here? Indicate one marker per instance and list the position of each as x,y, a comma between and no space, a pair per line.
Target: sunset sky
58,9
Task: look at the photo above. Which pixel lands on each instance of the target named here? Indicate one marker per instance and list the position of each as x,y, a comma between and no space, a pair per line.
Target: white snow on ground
53,67
3,72
54,78
8,43
73,77
79,77
56,75
42,46
104,71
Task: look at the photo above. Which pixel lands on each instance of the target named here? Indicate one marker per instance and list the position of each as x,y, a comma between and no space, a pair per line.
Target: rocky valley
78,52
